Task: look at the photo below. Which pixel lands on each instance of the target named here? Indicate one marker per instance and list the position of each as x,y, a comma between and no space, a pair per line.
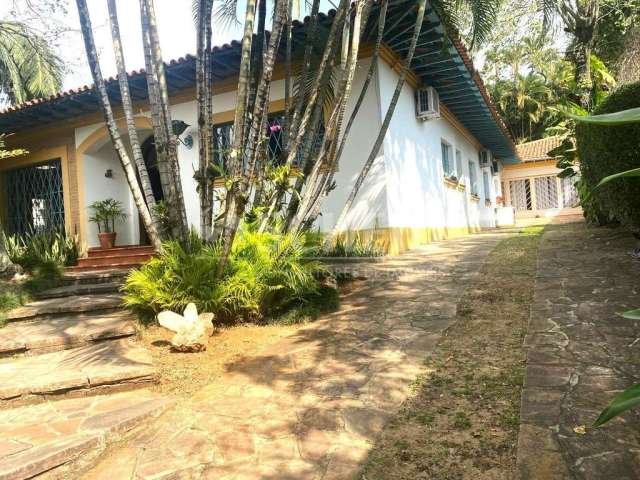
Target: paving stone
577,357
83,368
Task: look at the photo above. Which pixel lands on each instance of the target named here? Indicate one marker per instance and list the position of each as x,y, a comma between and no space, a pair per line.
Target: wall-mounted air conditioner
485,158
427,103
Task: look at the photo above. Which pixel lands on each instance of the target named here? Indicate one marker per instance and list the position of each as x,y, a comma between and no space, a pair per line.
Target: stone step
80,289
120,251
50,335
97,268
107,261
92,277
64,438
58,307
100,368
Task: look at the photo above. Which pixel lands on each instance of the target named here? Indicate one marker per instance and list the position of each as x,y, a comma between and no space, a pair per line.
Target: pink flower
274,127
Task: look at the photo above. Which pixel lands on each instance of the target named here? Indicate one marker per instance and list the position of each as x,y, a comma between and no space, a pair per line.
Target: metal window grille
447,165
520,193
459,172
570,196
34,198
223,135
546,192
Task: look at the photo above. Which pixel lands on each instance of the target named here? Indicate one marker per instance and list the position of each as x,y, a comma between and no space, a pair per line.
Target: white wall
417,194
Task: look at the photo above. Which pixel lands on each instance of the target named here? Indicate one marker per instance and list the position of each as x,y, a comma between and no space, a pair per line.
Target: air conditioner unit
427,103
485,158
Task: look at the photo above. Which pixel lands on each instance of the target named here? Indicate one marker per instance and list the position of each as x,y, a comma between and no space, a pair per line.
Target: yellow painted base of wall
395,240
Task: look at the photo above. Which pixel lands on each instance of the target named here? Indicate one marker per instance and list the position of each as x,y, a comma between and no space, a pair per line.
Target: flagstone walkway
580,354
310,406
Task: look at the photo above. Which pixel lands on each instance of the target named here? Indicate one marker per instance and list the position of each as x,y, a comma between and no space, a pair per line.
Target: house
533,188
437,175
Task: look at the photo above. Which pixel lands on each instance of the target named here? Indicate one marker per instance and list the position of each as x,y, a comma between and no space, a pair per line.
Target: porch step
80,289
62,438
104,367
44,336
120,251
63,306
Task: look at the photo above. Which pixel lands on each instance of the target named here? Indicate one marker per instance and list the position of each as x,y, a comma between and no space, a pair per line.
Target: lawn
462,419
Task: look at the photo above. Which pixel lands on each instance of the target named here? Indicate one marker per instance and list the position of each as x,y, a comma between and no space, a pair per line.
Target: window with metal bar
473,178
459,172
447,161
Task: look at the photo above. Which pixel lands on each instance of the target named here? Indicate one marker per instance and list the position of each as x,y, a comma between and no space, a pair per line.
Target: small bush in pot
105,215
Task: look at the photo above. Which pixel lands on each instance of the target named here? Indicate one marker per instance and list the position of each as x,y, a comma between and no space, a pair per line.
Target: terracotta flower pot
107,239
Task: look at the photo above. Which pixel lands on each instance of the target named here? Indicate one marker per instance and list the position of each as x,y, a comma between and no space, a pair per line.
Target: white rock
192,330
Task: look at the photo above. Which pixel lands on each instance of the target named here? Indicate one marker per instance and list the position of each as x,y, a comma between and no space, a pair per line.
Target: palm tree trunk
177,209
127,107
101,88
204,101
234,203
286,123
385,124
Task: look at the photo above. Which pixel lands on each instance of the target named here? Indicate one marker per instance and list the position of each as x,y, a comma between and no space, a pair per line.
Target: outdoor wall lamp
108,173
179,127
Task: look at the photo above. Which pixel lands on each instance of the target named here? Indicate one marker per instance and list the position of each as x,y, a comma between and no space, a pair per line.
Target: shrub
605,150
355,247
44,248
266,274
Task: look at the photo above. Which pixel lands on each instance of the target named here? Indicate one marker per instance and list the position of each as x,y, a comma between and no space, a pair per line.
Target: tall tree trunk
101,88
177,212
204,101
234,203
259,109
127,107
385,124
286,122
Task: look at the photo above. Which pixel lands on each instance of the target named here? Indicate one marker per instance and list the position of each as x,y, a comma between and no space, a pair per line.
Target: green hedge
604,150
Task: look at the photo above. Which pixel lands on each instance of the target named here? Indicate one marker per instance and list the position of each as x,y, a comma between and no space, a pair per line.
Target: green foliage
355,247
106,213
631,314
11,296
266,274
607,150
621,403
39,250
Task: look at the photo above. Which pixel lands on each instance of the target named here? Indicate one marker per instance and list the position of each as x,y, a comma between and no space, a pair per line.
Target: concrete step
104,261
63,306
80,289
120,251
63,438
50,335
100,368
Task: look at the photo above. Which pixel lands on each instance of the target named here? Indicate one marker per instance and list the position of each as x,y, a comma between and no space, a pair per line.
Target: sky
175,26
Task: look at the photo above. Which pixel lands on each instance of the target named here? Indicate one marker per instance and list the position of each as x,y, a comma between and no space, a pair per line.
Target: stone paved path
580,353
310,406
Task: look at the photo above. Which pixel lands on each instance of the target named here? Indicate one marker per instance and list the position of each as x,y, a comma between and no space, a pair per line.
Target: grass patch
463,416
11,296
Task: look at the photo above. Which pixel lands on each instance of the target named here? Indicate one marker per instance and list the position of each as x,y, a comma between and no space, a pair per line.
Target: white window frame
458,167
473,177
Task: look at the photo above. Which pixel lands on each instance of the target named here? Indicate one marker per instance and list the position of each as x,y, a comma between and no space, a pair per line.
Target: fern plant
266,274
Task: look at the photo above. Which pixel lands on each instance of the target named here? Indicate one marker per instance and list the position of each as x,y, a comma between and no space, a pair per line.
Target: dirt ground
462,419
183,374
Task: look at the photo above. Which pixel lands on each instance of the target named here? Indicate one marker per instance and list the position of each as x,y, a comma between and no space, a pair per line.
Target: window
546,192
459,173
473,178
223,138
447,161
520,194
485,185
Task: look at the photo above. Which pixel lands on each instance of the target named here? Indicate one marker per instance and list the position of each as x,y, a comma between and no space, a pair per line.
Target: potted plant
105,215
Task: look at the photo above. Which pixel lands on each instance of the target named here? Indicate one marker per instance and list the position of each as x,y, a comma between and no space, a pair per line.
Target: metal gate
34,198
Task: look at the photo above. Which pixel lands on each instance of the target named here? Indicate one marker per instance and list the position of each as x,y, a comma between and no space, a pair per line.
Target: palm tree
164,138
28,66
116,139
123,81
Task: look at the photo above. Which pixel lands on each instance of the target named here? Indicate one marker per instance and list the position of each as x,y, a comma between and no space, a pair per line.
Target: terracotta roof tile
538,149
